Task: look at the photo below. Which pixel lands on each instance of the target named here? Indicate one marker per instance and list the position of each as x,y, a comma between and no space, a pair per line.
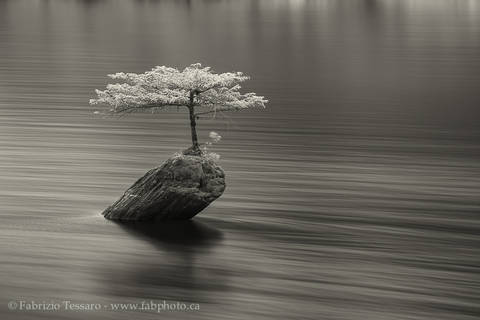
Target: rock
177,190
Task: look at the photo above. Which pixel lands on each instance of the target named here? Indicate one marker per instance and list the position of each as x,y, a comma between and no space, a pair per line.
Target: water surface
355,195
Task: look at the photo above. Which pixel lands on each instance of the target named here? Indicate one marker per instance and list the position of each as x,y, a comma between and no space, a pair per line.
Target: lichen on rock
179,189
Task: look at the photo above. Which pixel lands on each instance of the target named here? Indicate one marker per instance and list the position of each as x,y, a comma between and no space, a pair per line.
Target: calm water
355,195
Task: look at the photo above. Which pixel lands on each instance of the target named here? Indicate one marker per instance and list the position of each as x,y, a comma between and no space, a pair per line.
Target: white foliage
164,87
214,136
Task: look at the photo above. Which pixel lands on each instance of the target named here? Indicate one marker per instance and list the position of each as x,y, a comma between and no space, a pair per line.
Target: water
355,195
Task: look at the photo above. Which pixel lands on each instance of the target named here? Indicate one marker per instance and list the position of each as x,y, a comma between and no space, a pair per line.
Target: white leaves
214,136
212,155
165,86
229,99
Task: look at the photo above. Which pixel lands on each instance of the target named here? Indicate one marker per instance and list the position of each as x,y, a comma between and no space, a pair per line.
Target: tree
197,88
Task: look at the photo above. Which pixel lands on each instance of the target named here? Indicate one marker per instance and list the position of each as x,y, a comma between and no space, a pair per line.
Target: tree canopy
197,88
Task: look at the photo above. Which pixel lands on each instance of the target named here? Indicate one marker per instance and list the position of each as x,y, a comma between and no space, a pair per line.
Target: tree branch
148,106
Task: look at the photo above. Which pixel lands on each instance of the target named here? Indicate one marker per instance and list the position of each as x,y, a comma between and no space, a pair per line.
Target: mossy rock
177,190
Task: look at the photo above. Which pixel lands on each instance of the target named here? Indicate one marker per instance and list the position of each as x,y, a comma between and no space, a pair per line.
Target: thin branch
148,106
198,91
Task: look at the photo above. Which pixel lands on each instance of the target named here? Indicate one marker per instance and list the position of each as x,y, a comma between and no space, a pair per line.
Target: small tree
197,88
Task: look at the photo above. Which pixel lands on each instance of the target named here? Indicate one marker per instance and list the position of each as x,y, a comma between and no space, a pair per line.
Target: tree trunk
193,123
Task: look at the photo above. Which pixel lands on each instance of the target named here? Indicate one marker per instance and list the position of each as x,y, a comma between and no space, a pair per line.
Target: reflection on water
178,275
355,194
168,235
